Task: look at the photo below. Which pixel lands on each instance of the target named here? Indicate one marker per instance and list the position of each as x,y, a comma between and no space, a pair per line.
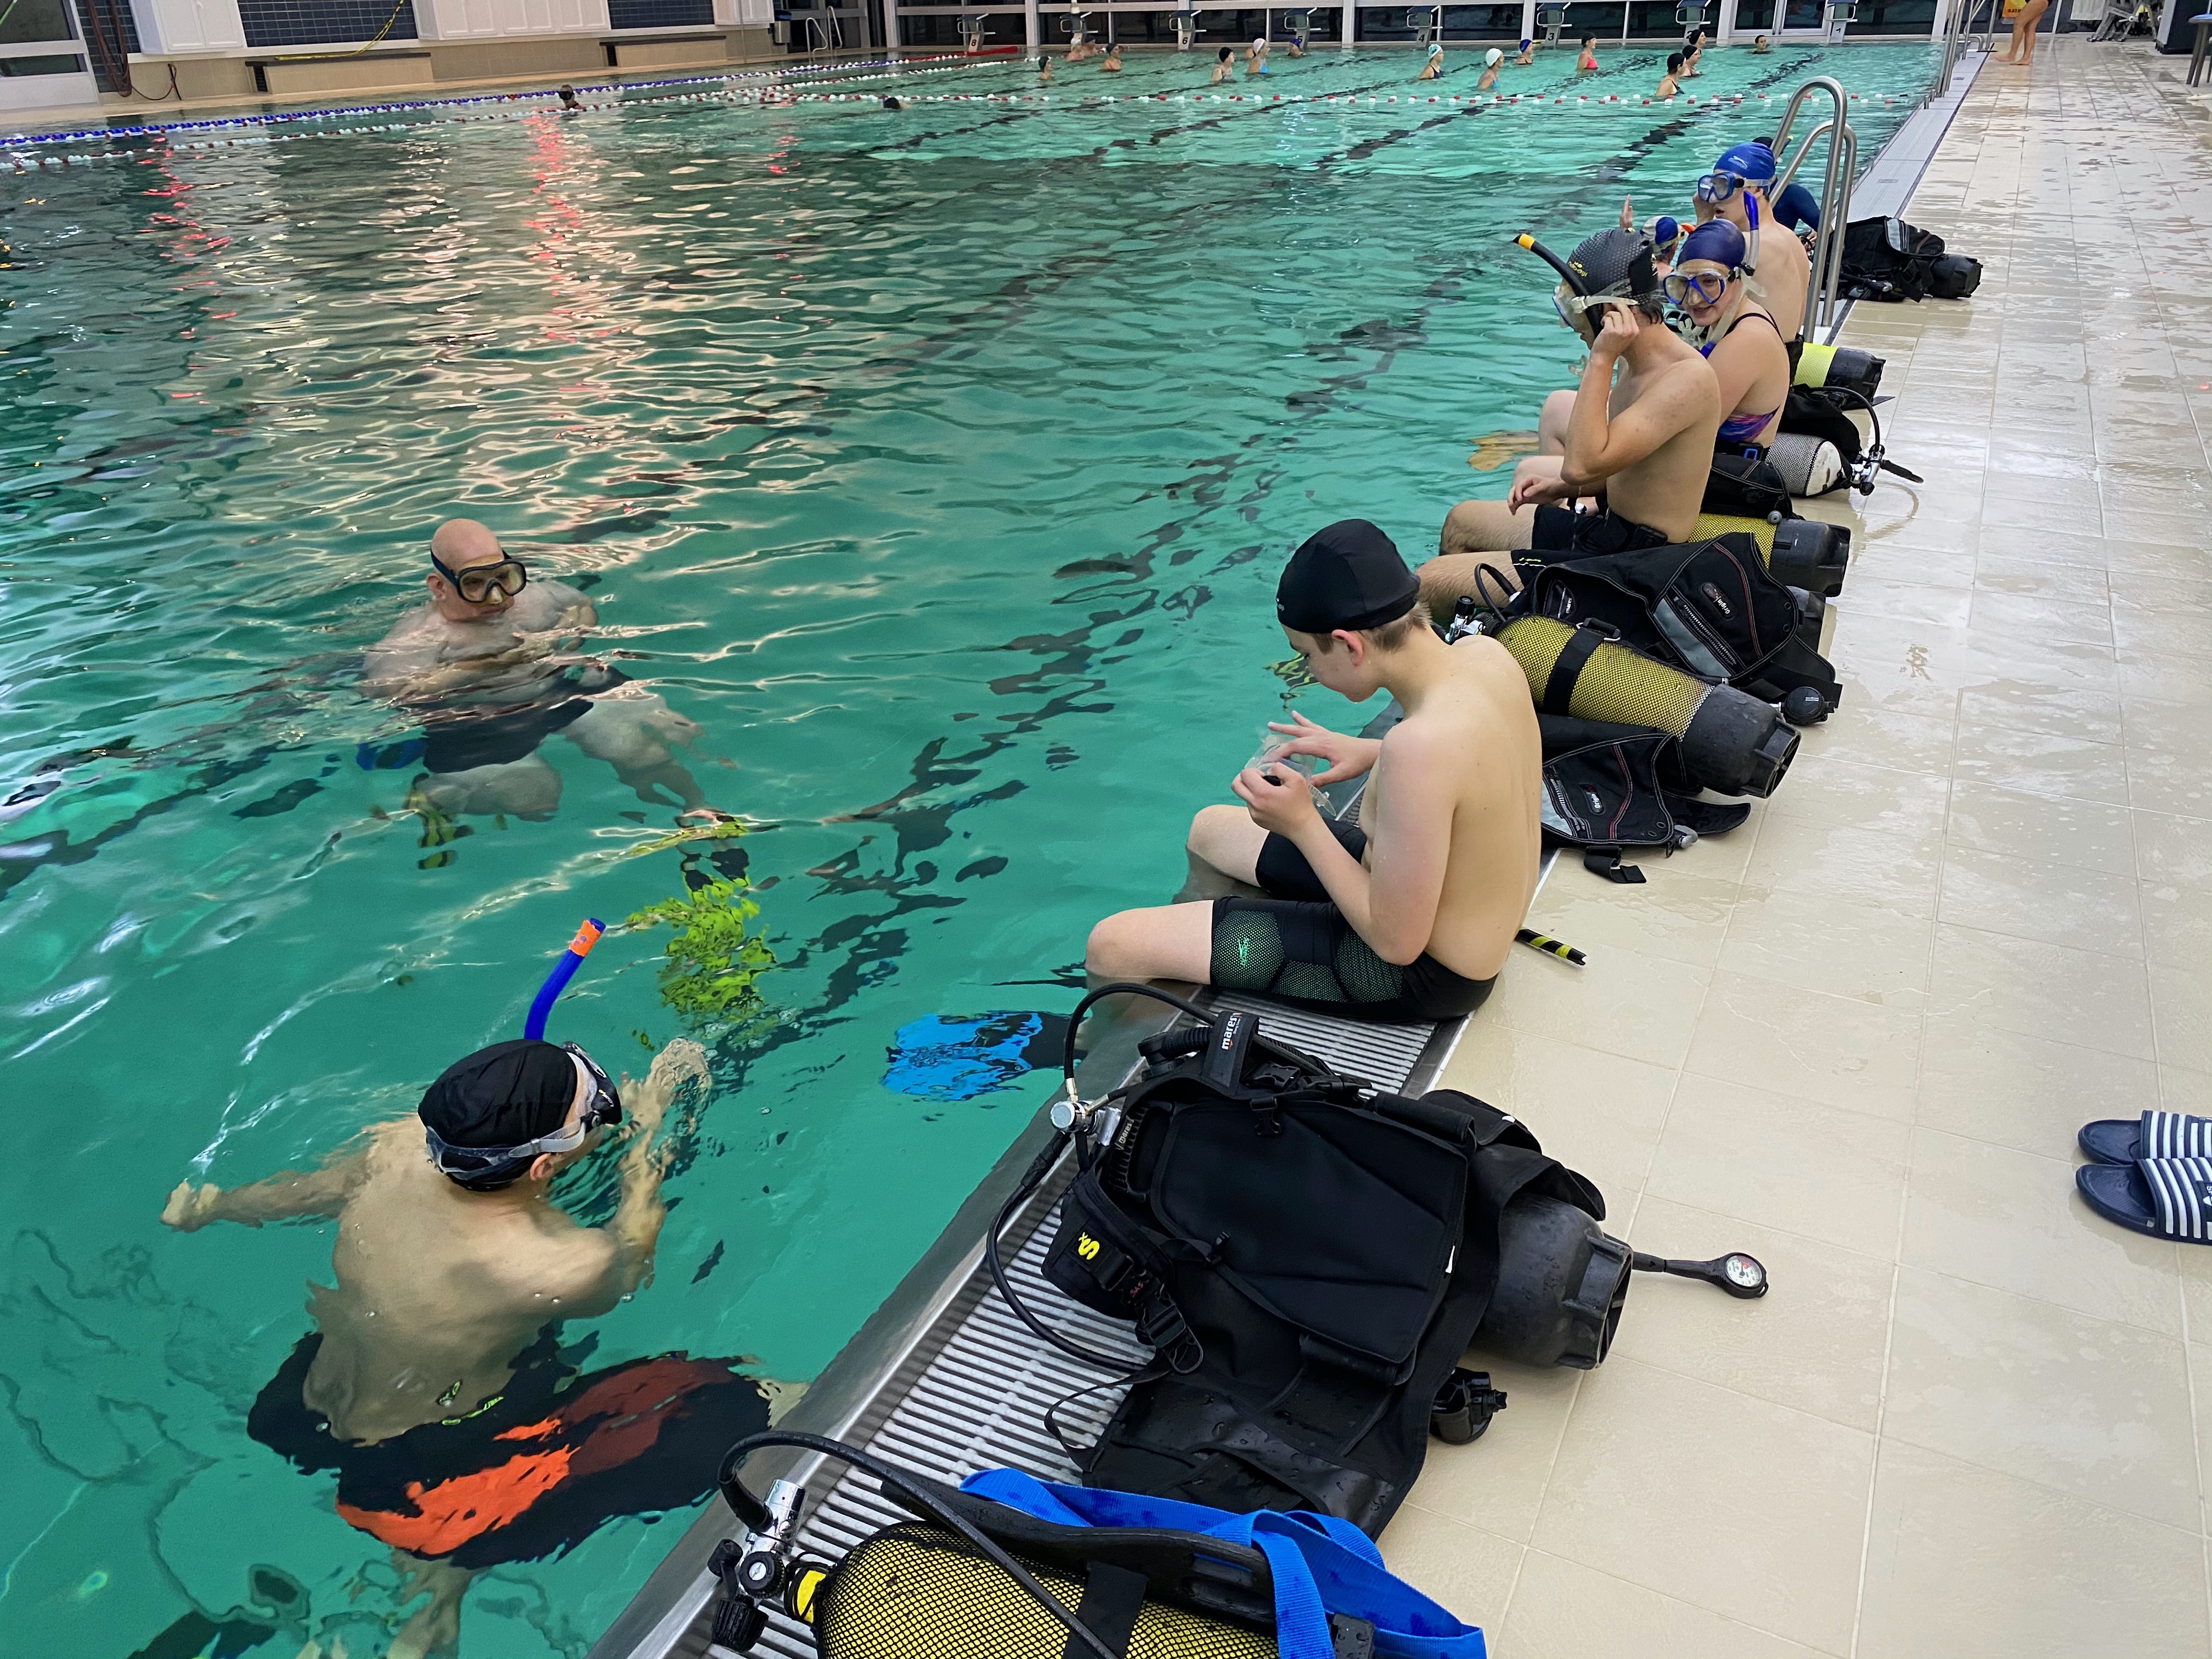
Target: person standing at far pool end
1433,65
1587,60
1488,78
486,666
1642,443
1670,82
1736,190
1255,57
1225,66
1528,55
434,1385
1411,915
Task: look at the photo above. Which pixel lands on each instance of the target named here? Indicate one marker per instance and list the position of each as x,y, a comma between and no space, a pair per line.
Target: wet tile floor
1856,1038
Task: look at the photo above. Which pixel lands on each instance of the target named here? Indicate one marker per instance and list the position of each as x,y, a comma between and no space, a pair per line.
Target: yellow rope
339,57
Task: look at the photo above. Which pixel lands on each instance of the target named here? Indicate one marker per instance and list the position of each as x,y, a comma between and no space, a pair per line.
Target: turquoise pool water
940,464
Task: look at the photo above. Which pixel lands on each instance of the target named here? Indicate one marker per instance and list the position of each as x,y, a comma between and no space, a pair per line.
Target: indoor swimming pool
939,463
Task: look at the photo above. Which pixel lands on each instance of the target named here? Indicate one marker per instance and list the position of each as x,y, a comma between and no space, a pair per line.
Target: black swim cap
1616,262
1348,575
503,1096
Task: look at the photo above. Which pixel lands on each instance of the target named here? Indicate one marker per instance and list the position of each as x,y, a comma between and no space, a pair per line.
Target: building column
1351,23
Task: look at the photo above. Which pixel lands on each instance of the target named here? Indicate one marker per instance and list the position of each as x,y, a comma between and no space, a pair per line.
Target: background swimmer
1669,84
1528,55
1762,46
1588,59
1113,64
1224,65
1255,60
1434,66
1491,60
568,99
1044,70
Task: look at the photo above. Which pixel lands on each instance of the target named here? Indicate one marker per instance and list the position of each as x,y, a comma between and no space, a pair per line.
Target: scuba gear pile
1613,789
1309,1257
1890,260
1837,365
1805,553
1710,607
1008,1566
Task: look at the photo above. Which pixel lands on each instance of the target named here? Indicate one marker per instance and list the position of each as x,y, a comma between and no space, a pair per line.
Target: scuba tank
1732,742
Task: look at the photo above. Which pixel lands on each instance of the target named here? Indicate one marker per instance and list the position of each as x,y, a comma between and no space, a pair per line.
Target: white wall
172,26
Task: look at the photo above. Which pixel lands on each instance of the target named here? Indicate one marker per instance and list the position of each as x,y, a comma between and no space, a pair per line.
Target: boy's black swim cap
503,1096
1616,262
1348,575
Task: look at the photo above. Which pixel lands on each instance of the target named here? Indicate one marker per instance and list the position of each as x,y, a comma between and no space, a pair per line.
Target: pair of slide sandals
2152,1176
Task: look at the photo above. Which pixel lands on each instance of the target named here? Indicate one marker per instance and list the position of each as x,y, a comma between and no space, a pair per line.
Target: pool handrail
1827,273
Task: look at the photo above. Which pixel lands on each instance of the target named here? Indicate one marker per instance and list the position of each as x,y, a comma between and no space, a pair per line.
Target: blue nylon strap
1320,1564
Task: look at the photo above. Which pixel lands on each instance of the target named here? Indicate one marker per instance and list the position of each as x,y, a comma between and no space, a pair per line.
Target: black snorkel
1567,272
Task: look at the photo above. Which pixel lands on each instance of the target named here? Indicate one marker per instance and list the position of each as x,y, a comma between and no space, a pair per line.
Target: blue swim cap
1664,230
1716,239
1751,161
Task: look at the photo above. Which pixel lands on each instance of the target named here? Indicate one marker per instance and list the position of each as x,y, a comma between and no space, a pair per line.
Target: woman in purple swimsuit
1734,331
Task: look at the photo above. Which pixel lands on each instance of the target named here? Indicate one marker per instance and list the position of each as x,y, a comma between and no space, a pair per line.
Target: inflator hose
753,1514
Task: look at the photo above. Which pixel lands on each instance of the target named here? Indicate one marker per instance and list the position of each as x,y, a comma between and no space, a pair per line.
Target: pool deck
1856,1036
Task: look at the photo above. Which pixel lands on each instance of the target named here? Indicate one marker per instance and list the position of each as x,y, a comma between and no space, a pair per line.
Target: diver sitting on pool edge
1409,916
1643,447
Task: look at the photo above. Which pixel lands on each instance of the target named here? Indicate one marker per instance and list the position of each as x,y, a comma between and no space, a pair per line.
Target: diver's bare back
1663,490
1481,722
437,1293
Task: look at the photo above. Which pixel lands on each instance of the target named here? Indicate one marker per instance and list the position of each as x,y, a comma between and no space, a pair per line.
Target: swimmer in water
434,1385
488,667
1587,60
1670,82
1256,59
1692,58
1044,70
568,99
1491,60
1761,47
1433,65
890,102
1224,65
1113,64
1528,55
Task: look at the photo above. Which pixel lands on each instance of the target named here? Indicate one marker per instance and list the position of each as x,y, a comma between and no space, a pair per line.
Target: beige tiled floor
1856,1038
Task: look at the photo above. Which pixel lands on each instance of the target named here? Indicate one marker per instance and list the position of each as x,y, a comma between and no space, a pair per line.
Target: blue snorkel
541,1006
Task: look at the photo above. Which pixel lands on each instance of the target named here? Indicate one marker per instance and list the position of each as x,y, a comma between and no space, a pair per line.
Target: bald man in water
489,665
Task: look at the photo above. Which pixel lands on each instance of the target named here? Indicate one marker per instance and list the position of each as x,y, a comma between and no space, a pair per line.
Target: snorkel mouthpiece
564,970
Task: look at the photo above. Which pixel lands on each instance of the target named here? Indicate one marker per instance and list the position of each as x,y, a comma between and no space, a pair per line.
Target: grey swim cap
1614,263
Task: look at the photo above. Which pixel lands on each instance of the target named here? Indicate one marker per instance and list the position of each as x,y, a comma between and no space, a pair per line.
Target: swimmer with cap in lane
434,1385
1488,78
1670,82
568,99
1411,915
1586,59
1642,443
1224,65
1044,69
1761,47
488,665
1433,65
1736,190
1528,55
1113,64
1255,57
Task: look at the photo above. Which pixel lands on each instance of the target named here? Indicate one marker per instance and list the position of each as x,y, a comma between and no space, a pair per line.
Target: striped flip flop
2159,1197
2155,1134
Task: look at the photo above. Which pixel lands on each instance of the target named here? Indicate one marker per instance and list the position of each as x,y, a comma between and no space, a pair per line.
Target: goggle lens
508,577
1697,288
1719,186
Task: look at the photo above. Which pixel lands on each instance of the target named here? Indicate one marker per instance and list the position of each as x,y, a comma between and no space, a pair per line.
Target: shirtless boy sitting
1642,444
1410,916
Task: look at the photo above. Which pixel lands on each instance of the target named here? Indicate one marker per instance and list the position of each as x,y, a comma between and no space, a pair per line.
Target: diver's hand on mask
1280,798
1619,329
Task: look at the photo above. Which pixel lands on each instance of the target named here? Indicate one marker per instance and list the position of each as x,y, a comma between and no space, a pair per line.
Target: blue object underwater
941,1058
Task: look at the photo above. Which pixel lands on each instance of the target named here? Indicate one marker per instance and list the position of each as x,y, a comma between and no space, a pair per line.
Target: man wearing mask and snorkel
1736,191
1642,444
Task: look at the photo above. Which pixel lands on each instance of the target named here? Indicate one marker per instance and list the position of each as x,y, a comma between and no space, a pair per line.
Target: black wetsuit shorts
1556,532
536,1470
465,738
1296,946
